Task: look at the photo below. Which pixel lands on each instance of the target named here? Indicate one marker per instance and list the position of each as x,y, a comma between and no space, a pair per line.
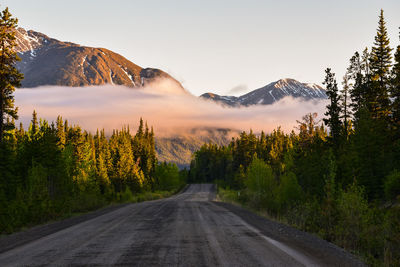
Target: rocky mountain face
232,101
47,61
271,93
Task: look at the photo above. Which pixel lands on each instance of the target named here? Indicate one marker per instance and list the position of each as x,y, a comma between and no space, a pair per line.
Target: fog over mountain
172,113
97,88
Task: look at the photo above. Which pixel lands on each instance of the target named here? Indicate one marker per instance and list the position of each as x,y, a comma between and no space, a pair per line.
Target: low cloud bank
168,109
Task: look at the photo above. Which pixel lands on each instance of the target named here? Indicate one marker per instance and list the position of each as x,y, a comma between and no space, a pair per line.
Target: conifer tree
333,109
34,124
60,132
395,91
20,132
355,74
140,130
380,61
359,75
10,77
345,105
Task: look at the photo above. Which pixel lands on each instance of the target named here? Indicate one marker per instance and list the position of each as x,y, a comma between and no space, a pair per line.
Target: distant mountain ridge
271,93
47,61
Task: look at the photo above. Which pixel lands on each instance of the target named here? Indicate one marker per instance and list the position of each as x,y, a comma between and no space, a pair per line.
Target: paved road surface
185,230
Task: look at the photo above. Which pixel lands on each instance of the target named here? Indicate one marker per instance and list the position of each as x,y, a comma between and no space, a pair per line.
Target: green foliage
53,170
261,184
353,212
395,92
345,107
333,109
126,196
10,77
380,61
392,237
371,144
289,192
392,185
228,195
168,177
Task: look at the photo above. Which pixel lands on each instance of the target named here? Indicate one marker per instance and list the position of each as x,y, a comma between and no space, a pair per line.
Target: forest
54,170
338,177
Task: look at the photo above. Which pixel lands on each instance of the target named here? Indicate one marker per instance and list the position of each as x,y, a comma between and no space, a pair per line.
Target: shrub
392,185
167,176
352,217
127,195
261,185
392,238
290,192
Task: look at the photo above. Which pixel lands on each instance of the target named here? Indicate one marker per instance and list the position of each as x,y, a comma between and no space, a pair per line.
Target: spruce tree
380,61
10,77
355,75
34,124
333,109
345,105
395,91
60,132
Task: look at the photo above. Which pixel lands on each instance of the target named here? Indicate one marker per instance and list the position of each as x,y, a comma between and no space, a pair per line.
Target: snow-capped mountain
271,93
47,61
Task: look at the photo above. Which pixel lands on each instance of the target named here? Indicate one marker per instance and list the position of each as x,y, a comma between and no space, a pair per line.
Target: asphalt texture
188,229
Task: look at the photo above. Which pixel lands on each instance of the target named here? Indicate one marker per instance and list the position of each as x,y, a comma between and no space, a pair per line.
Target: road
188,229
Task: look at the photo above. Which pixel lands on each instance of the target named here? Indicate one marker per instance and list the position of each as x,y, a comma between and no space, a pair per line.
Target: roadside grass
94,205
239,199
128,197
236,198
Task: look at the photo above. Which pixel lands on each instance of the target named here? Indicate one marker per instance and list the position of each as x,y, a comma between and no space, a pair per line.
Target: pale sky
218,45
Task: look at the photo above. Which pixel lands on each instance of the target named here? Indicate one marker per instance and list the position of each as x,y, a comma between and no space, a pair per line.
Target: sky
221,46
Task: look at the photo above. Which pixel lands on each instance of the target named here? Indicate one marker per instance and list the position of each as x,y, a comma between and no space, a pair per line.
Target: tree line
52,170
340,178
56,169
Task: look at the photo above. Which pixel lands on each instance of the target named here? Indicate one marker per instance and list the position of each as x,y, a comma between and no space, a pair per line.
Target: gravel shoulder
9,242
303,242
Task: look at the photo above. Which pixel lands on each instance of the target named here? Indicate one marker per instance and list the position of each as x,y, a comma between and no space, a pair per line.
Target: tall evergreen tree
60,132
10,77
34,124
380,61
395,91
355,76
345,105
333,109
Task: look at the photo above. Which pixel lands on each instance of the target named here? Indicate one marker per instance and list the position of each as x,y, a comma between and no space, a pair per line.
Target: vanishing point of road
188,229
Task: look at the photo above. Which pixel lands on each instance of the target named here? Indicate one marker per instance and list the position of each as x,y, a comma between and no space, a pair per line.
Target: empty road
188,229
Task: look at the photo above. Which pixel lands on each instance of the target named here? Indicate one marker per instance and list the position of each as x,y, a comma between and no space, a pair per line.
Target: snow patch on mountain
271,93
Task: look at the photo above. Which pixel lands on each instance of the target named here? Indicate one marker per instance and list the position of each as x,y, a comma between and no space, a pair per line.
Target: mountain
47,61
225,100
271,93
180,148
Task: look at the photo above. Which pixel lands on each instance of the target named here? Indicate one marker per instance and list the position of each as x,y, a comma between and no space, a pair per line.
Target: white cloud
162,105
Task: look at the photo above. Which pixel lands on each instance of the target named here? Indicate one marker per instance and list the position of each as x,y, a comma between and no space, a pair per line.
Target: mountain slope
47,61
180,148
271,93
